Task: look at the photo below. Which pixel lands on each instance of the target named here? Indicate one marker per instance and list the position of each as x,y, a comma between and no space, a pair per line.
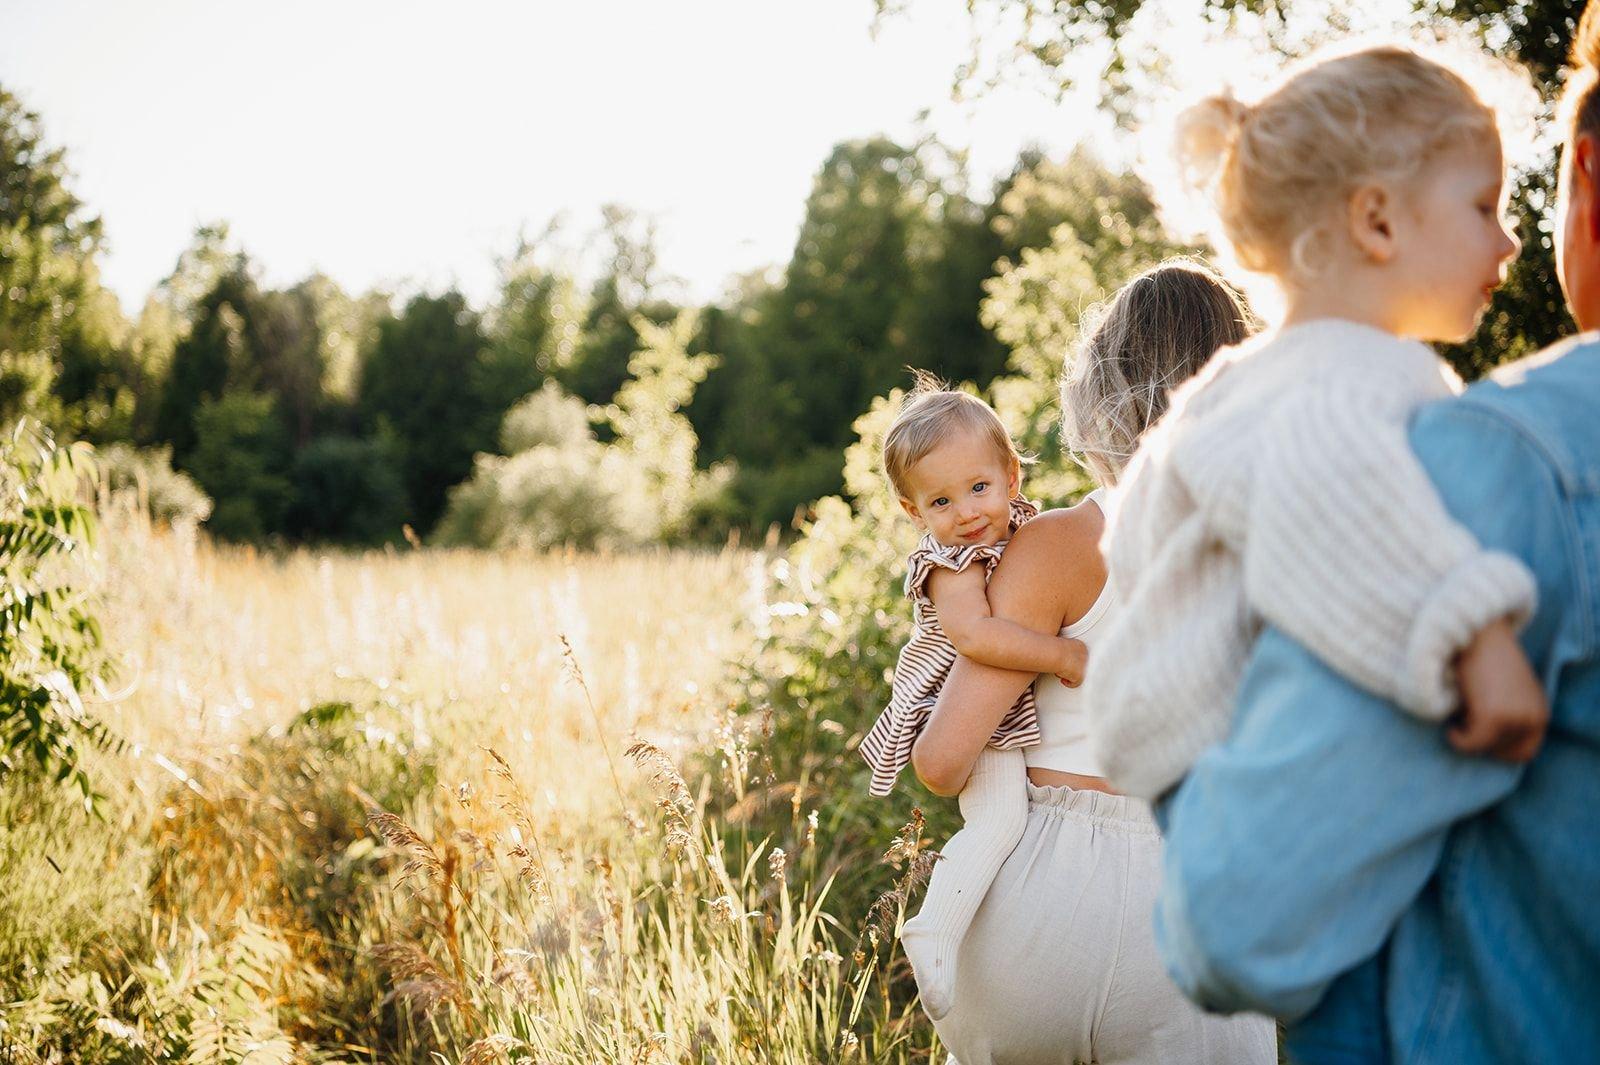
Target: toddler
1280,488
957,474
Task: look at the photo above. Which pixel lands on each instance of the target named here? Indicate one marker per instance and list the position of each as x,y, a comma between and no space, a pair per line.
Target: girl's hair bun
1204,135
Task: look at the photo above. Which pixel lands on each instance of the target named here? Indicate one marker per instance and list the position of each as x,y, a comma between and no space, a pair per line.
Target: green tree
1527,312
421,381
215,353
625,291
60,331
534,329
241,459
290,358
943,332
733,411
347,489
834,334
1103,229
652,435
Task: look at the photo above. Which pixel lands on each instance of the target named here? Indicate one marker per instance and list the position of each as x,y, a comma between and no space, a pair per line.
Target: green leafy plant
50,639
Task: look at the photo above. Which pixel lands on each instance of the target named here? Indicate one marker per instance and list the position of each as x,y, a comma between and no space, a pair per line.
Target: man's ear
911,509
1370,218
1585,191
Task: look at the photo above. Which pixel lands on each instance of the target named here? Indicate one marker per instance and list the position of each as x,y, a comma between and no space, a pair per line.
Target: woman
1059,965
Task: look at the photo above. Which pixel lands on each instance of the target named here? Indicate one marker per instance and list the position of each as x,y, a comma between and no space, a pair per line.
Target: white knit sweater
1280,487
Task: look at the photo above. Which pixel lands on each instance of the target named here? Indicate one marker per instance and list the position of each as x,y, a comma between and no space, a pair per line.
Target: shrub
144,480
543,497
548,418
558,484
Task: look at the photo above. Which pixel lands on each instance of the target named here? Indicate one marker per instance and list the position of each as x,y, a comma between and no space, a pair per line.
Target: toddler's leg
994,805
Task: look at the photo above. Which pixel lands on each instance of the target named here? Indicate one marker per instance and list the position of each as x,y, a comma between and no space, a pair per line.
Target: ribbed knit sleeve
1349,550
1159,687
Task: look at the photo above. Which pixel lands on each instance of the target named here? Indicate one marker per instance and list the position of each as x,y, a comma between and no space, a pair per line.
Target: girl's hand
1074,660
1504,712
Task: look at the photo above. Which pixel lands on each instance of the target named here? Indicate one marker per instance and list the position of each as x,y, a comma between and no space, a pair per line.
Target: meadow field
429,805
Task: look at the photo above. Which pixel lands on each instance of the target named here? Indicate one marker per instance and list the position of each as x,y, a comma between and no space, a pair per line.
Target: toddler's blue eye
941,501
980,486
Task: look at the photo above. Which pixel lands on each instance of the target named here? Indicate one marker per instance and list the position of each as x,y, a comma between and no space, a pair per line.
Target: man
1334,862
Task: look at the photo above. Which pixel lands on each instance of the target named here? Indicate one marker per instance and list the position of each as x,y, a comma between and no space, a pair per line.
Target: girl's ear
1015,485
1371,223
911,509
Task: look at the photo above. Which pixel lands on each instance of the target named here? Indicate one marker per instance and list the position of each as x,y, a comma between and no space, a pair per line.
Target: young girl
1280,488
953,466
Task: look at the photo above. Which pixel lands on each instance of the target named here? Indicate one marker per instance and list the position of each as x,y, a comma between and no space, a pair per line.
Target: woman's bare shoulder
1052,566
1056,534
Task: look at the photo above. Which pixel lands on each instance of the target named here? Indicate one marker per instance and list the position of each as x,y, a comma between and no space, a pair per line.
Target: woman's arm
962,602
1050,574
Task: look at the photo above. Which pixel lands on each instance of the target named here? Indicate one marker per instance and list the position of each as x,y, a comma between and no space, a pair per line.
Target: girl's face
1452,245
961,491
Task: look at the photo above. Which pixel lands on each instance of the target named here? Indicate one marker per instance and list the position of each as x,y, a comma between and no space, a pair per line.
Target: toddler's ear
1015,486
911,509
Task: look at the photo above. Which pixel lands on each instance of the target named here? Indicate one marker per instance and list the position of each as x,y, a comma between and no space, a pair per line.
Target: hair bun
1203,137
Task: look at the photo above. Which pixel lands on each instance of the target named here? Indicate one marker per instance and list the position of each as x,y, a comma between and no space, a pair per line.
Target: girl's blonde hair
1276,172
932,413
1150,337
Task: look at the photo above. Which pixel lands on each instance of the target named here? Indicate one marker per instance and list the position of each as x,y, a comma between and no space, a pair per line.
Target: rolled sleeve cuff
1484,588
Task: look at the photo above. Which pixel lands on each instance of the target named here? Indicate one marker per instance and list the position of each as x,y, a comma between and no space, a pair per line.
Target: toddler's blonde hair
932,413
1149,338
1276,172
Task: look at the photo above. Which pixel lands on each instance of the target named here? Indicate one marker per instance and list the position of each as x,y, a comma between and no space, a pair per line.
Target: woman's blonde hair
1147,339
932,413
1275,172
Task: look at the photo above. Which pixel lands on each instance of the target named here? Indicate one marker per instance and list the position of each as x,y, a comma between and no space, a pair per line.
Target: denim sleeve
1294,846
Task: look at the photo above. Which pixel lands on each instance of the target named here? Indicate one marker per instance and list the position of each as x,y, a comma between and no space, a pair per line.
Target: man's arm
1294,846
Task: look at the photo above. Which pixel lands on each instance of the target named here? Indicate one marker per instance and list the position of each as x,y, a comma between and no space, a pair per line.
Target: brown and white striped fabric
926,659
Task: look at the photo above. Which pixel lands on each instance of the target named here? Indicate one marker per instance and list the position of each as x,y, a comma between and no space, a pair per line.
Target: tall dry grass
389,806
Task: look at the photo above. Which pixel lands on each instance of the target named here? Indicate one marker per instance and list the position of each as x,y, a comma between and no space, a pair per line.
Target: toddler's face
1458,245
961,491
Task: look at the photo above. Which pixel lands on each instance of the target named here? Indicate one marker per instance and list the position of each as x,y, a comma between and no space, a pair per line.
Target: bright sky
394,141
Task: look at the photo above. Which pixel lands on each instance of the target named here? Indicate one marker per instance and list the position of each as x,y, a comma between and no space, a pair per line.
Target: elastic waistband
1124,811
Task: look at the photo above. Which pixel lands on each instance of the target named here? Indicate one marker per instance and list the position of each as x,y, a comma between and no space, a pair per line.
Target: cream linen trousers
1060,965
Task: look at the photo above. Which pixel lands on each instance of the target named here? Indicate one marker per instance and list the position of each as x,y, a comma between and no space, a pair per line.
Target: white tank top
1063,725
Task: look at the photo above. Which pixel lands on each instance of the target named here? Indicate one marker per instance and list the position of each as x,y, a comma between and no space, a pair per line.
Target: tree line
312,414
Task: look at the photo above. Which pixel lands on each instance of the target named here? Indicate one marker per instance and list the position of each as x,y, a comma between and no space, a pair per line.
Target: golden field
447,806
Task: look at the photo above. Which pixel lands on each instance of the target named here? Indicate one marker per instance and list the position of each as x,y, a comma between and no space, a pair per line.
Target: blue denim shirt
1336,864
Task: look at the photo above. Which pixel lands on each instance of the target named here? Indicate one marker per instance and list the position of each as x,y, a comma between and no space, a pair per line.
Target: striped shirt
926,659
